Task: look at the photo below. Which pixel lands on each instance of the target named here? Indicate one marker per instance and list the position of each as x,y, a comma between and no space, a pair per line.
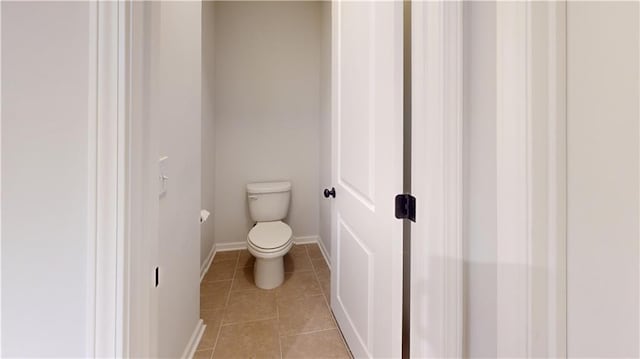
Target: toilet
270,238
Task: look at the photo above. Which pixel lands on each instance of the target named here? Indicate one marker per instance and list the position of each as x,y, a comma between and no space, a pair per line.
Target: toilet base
268,273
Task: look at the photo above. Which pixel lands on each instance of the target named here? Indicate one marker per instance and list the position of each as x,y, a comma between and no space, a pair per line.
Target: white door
366,283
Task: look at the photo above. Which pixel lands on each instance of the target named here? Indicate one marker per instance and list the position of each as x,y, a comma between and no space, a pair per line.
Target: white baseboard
306,239
231,246
325,253
194,341
204,268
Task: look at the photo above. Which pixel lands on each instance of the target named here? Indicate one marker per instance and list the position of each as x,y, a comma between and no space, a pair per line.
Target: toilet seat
269,237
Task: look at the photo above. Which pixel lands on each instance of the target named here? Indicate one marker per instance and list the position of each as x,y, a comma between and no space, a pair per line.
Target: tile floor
291,321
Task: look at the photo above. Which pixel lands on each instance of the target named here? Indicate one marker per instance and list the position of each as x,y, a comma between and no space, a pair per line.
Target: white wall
45,175
325,125
175,117
601,183
603,208
480,179
208,128
267,110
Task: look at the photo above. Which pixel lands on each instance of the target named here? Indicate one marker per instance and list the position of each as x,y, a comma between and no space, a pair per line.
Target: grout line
248,321
315,272
233,279
215,343
218,280
236,270
309,332
278,329
326,300
301,271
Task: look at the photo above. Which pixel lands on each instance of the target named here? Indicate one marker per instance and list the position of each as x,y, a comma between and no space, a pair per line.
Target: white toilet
270,239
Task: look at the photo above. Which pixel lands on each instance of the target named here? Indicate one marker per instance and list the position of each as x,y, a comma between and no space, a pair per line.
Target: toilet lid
270,235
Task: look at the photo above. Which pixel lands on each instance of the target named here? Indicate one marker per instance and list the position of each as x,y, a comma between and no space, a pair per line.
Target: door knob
331,193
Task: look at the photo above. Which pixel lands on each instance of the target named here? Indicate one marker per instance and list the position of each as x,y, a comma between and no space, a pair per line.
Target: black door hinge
406,207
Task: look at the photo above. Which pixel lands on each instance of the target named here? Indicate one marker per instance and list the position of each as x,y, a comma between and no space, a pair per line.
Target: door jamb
437,262
109,186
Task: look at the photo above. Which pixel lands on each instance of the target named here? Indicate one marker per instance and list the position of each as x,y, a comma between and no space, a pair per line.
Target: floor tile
203,354
221,270
213,320
225,256
292,320
246,259
303,314
243,279
214,295
321,268
250,305
314,251
325,285
297,262
209,337
299,284
298,249
323,276
248,340
324,344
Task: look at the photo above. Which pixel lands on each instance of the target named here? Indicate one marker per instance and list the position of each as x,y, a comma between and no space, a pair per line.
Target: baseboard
325,253
204,268
231,246
305,239
194,341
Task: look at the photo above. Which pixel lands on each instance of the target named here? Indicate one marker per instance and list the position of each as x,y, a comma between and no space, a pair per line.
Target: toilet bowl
268,242
270,239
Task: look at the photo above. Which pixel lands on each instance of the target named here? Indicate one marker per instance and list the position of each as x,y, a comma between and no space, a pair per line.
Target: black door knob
331,193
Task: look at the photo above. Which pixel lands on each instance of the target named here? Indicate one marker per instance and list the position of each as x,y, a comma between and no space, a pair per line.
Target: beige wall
175,118
602,174
267,110
45,176
325,126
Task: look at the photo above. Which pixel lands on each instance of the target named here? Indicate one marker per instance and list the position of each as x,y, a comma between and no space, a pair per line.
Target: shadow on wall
480,304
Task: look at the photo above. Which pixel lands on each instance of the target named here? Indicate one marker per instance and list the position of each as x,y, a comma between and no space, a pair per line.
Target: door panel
367,173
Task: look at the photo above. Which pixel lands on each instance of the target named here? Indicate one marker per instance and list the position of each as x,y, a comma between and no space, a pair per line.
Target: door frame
438,248
437,43
531,179
437,157
111,159
105,163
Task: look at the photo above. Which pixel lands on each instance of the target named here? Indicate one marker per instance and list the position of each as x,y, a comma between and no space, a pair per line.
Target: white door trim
0,175
556,181
531,179
437,328
108,163
513,162
437,135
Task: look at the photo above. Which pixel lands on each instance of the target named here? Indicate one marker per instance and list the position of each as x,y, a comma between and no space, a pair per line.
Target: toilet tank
268,201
